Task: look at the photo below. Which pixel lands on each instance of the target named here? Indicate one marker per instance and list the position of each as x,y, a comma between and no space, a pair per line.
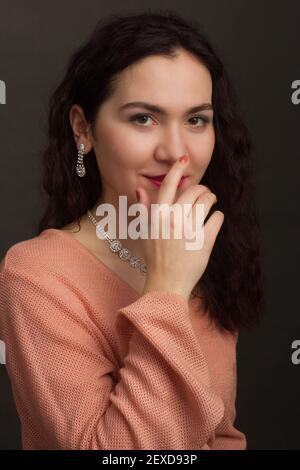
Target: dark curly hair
231,286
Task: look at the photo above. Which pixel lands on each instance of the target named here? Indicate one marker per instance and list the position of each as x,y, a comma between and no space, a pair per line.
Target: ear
80,127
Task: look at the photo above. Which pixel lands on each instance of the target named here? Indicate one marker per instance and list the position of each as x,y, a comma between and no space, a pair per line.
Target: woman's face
132,141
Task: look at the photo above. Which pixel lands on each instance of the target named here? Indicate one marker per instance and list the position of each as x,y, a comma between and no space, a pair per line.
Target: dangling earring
80,168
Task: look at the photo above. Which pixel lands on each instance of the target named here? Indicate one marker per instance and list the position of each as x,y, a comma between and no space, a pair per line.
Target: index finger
168,188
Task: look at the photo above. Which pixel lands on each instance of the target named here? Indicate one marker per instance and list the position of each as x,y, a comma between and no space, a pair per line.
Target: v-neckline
93,257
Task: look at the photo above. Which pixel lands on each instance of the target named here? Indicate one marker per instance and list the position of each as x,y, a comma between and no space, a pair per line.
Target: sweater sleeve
67,388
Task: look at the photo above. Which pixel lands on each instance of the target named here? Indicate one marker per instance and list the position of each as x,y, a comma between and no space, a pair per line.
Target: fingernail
183,159
137,195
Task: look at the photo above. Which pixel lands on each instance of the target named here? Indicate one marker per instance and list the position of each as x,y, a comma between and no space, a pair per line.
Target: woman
138,353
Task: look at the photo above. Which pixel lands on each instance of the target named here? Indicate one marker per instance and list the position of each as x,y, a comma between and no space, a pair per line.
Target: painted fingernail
183,159
137,195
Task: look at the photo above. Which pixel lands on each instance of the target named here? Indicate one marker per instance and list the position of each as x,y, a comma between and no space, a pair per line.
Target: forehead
165,79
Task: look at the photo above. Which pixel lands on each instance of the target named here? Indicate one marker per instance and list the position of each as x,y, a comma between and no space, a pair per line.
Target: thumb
142,197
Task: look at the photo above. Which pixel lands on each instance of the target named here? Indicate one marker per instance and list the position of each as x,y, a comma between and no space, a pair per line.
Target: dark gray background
259,43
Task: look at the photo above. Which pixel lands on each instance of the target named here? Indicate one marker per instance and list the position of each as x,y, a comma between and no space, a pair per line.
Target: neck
135,246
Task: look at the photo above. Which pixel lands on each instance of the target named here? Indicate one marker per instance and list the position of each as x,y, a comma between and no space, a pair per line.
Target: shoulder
52,263
47,261
51,250
43,274
34,249
32,261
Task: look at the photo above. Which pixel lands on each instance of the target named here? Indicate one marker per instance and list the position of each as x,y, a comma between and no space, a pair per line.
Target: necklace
117,247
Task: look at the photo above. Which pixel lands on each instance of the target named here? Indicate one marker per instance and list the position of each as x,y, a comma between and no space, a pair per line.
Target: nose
171,146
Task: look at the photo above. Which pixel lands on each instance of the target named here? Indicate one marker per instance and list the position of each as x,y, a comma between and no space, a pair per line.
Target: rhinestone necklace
117,247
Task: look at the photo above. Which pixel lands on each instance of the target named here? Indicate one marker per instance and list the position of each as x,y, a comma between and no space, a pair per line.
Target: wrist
152,285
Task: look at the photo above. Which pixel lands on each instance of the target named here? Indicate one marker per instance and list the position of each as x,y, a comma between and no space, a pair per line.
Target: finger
143,197
207,199
191,195
169,186
211,230
195,217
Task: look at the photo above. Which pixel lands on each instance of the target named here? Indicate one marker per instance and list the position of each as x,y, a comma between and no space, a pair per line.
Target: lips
157,180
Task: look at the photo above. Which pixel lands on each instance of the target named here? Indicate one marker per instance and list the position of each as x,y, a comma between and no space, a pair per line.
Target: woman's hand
170,265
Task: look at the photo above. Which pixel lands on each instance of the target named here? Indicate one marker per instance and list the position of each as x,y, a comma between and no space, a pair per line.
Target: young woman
114,349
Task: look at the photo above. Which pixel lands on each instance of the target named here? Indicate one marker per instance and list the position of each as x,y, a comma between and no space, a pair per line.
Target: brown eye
138,117
203,119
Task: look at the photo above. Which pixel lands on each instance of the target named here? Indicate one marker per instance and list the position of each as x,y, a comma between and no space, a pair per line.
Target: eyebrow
157,109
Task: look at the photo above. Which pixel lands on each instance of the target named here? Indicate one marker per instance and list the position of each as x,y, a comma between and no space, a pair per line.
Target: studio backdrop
258,42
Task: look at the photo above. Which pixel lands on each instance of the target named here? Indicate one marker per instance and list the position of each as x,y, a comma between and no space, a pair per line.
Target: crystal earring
80,168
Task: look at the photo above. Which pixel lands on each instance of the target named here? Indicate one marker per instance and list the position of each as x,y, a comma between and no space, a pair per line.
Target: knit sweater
95,365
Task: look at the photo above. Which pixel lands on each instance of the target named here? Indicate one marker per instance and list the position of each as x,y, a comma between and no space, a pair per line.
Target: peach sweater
95,365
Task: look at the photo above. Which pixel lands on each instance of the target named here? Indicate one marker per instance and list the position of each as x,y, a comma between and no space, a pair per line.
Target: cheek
205,149
122,146
211,139
209,146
